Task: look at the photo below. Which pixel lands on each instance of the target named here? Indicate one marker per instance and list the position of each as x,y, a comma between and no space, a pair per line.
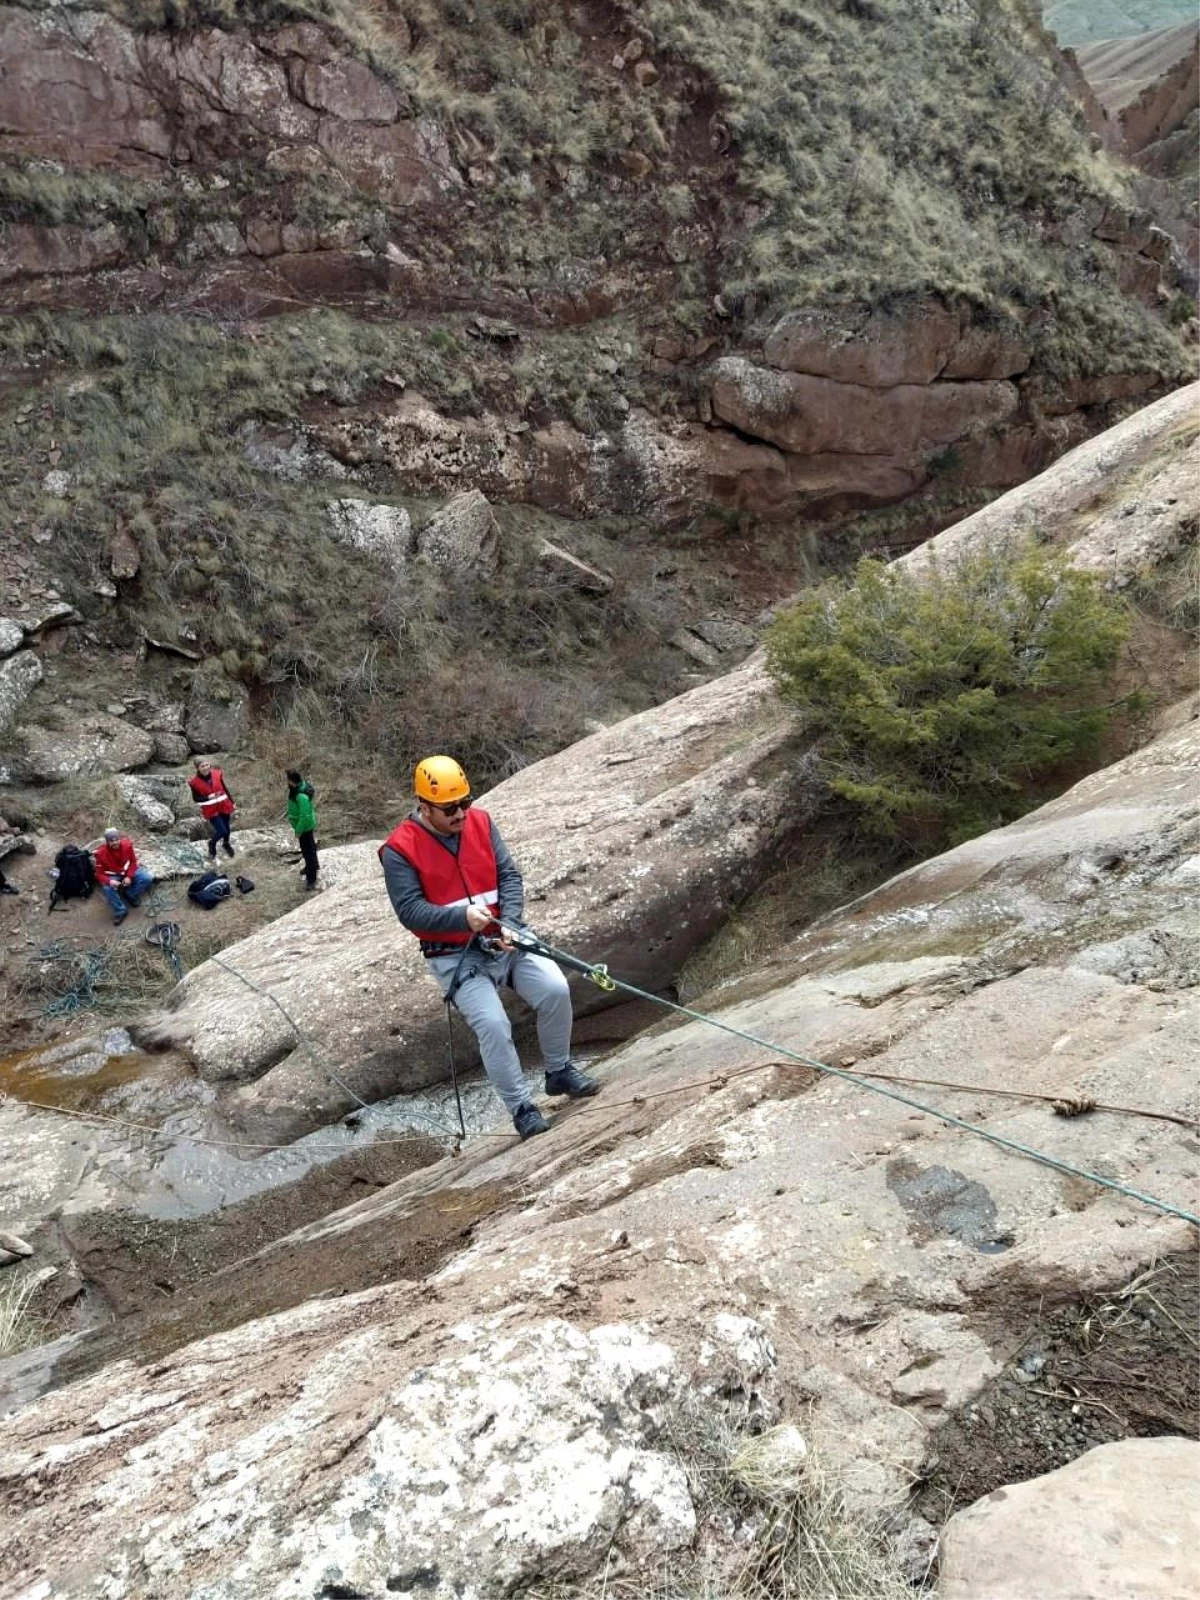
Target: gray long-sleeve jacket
410,905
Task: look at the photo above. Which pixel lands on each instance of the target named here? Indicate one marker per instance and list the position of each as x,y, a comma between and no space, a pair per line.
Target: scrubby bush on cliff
940,697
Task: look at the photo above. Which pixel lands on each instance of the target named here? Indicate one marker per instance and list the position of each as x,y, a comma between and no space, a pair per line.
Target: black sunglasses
452,807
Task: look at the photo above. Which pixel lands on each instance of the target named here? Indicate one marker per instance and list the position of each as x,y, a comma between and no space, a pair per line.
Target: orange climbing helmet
440,780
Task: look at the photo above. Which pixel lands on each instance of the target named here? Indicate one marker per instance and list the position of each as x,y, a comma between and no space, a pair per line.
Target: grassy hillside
1083,21
787,153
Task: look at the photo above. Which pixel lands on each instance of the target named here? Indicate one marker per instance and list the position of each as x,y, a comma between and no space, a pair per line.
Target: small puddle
75,1075
941,1201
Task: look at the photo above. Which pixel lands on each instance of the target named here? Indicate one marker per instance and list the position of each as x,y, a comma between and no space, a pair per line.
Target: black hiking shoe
570,1081
227,847
528,1120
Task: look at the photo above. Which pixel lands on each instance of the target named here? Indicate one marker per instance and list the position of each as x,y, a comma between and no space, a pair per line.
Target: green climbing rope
600,975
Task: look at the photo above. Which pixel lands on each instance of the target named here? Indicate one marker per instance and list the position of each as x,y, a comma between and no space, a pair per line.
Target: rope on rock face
599,974
301,1036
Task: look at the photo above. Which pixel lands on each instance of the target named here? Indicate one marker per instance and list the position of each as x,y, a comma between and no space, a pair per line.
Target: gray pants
539,983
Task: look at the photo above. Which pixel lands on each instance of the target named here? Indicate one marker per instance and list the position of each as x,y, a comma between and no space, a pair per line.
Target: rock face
560,1457
1124,502
19,676
97,94
633,843
1122,1520
373,196
500,1415
97,743
463,536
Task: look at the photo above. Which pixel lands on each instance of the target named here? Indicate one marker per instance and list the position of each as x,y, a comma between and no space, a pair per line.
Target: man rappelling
453,882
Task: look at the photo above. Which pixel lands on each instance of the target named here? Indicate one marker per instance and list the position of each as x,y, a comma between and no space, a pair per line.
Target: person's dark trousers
308,849
218,835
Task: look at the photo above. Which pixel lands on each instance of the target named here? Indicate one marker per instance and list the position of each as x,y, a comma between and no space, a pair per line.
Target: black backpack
208,890
76,874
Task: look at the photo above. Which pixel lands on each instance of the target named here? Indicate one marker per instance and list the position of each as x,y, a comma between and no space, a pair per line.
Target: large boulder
94,744
807,415
382,1461
635,843
463,536
378,530
19,677
217,709
1122,1520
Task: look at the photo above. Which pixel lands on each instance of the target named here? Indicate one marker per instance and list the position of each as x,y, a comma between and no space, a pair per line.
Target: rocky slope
525,1366
683,295
724,1234
670,819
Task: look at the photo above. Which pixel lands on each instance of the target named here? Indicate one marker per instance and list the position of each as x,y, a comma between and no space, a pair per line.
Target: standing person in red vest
211,794
450,877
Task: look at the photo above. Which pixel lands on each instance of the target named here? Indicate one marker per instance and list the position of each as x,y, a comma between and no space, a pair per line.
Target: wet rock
1121,1520
463,536
20,674
96,744
379,530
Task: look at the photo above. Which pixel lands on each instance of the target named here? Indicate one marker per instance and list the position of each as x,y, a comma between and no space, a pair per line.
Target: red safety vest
210,792
116,861
466,879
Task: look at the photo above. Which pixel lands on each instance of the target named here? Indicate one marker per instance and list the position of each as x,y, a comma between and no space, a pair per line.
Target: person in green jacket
303,820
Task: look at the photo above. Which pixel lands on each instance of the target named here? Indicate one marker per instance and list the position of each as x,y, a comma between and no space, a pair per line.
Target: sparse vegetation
772,1524
940,698
862,187
20,1329
149,416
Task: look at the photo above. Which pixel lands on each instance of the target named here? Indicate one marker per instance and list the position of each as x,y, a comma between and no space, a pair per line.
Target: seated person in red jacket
122,882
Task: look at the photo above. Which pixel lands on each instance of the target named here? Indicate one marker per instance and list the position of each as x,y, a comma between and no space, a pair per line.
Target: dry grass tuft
19,1328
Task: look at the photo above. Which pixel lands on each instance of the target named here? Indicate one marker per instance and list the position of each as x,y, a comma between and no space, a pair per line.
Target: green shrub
940,697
